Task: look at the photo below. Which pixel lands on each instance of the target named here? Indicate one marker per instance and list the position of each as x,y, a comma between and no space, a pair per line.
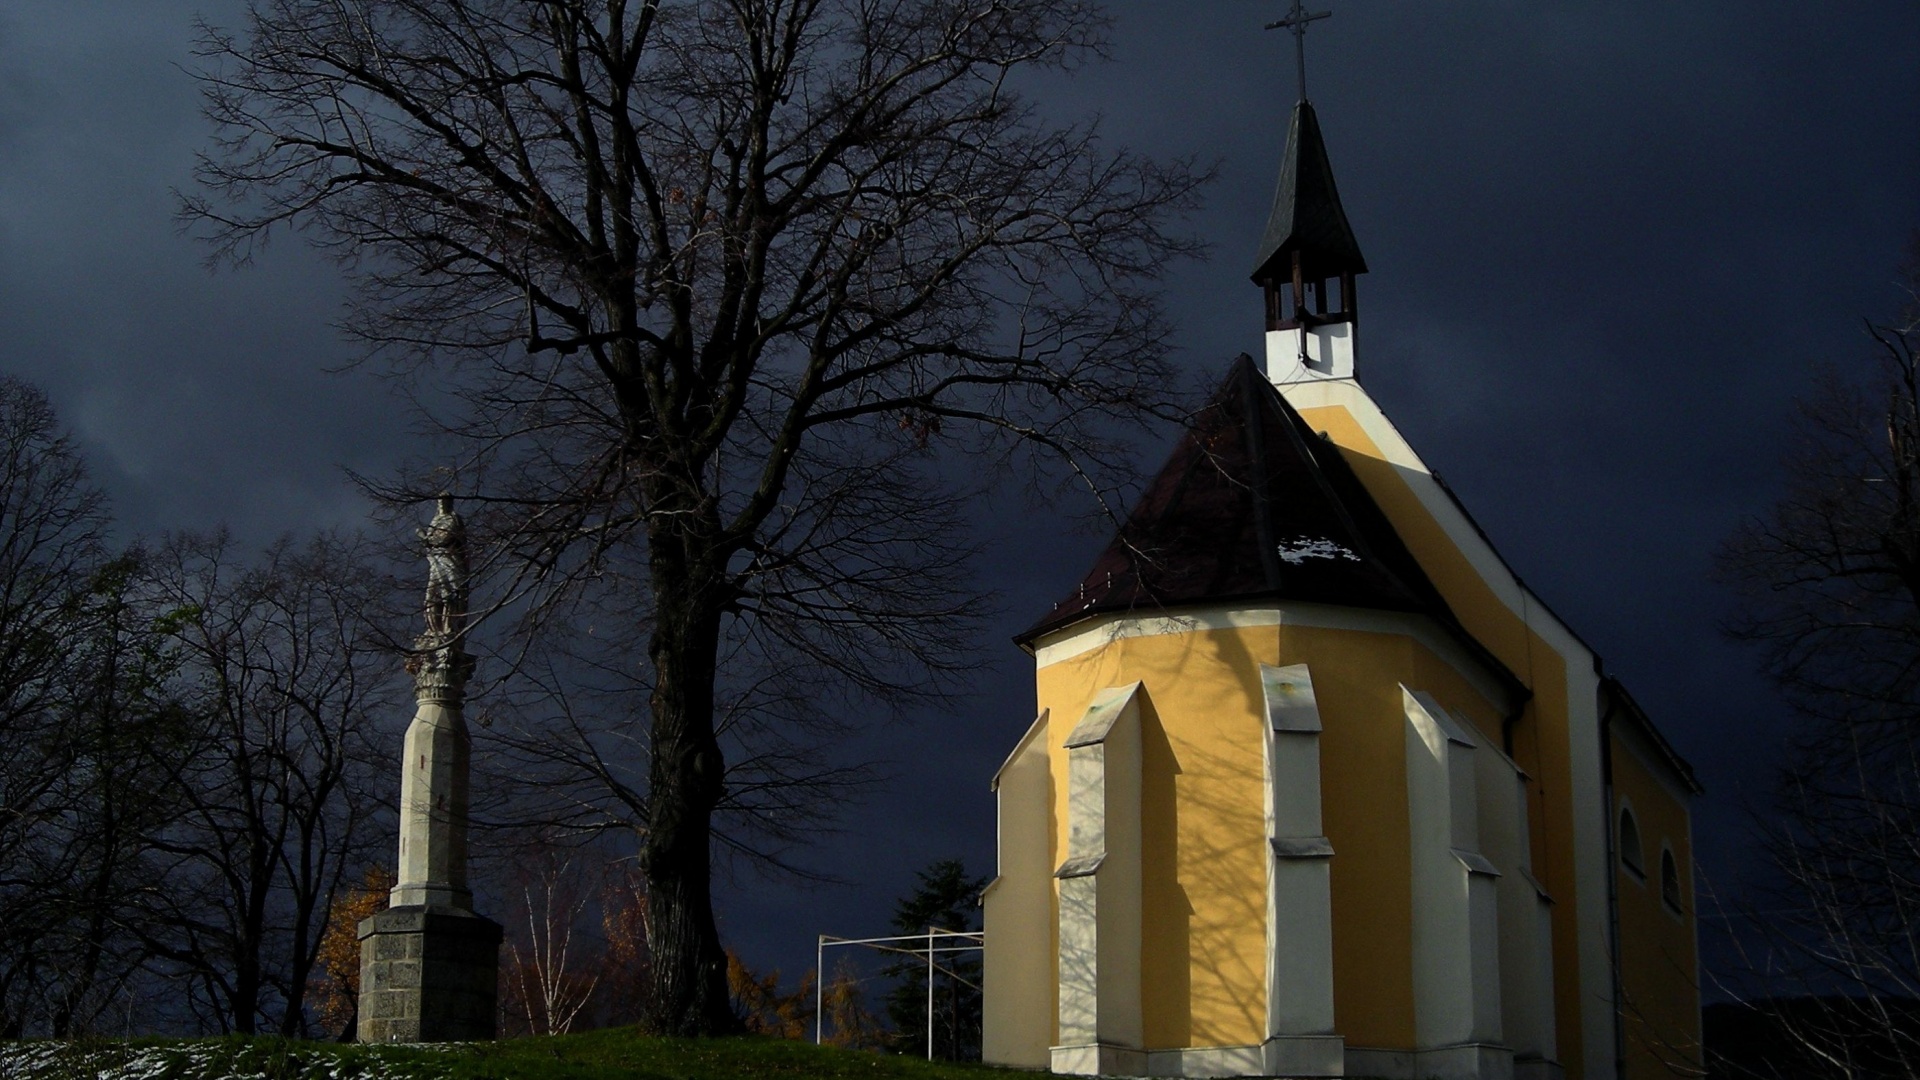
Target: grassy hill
617,1054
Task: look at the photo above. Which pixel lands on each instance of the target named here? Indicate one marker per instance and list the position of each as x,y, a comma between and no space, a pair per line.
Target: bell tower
1308,256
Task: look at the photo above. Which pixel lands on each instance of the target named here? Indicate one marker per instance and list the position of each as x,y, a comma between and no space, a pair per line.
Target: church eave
1266,598
1063,624
1629,709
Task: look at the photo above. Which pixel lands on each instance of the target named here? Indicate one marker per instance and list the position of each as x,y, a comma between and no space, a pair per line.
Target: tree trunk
689,992
94,899
249,978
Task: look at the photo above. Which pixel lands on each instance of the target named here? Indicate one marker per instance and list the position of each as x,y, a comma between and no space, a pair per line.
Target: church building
1318,787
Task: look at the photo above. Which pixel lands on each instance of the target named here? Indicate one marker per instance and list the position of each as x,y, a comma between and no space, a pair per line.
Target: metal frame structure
949,943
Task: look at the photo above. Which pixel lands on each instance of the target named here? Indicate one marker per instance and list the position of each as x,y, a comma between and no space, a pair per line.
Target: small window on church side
1630,843
1669,880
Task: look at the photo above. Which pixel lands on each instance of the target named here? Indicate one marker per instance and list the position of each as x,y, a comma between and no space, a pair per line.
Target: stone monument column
429,966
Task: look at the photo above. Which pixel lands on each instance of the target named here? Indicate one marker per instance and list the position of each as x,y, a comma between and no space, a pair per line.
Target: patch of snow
53,1060
1301,549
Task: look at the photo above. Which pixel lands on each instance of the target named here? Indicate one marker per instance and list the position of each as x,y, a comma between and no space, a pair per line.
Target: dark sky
1611,243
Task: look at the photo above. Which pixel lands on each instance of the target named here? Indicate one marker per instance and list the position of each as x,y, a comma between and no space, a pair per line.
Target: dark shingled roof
1254,505
1307,215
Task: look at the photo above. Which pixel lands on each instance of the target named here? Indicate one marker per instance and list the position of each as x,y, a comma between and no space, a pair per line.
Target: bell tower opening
1304,301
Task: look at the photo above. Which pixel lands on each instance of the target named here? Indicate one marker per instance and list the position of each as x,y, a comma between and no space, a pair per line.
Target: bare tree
53,566
551,969
288,678
563,741
724,292
122,738
185,770
1830,593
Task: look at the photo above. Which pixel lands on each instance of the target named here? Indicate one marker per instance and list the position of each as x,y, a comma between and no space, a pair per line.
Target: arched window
1669,880
1630,843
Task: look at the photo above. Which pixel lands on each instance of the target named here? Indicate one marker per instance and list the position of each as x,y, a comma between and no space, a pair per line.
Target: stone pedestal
428,974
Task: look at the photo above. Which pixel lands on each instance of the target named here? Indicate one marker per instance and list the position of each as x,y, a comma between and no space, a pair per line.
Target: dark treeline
1828,588
188,774
199,751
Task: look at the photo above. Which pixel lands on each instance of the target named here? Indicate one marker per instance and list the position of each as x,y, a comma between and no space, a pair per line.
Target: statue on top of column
439,662
446,540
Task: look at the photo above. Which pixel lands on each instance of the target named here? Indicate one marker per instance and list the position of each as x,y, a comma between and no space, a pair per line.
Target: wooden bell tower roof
1307,217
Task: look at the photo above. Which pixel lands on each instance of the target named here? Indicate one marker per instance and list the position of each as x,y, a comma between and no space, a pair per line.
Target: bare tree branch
714,296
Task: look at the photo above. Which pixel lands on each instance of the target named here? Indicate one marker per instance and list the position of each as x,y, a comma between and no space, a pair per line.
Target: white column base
1304,1058
1467,1061
1099,1059
1205,1061
1537,1069
1305,1055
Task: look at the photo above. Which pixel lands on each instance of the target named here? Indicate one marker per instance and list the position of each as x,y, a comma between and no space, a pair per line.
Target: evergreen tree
944,898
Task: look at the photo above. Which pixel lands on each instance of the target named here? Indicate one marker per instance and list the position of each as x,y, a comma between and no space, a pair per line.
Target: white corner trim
1350,395
1456,919
1299,903
1097,961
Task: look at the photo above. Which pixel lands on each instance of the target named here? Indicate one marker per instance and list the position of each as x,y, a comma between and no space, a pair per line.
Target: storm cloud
1611,244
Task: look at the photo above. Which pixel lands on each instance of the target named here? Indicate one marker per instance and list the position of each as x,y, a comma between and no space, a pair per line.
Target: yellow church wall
1657,946
1542,739
1203,830
1357,678
1203,868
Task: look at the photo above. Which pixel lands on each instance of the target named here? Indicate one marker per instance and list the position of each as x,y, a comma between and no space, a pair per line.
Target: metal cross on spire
1297,21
